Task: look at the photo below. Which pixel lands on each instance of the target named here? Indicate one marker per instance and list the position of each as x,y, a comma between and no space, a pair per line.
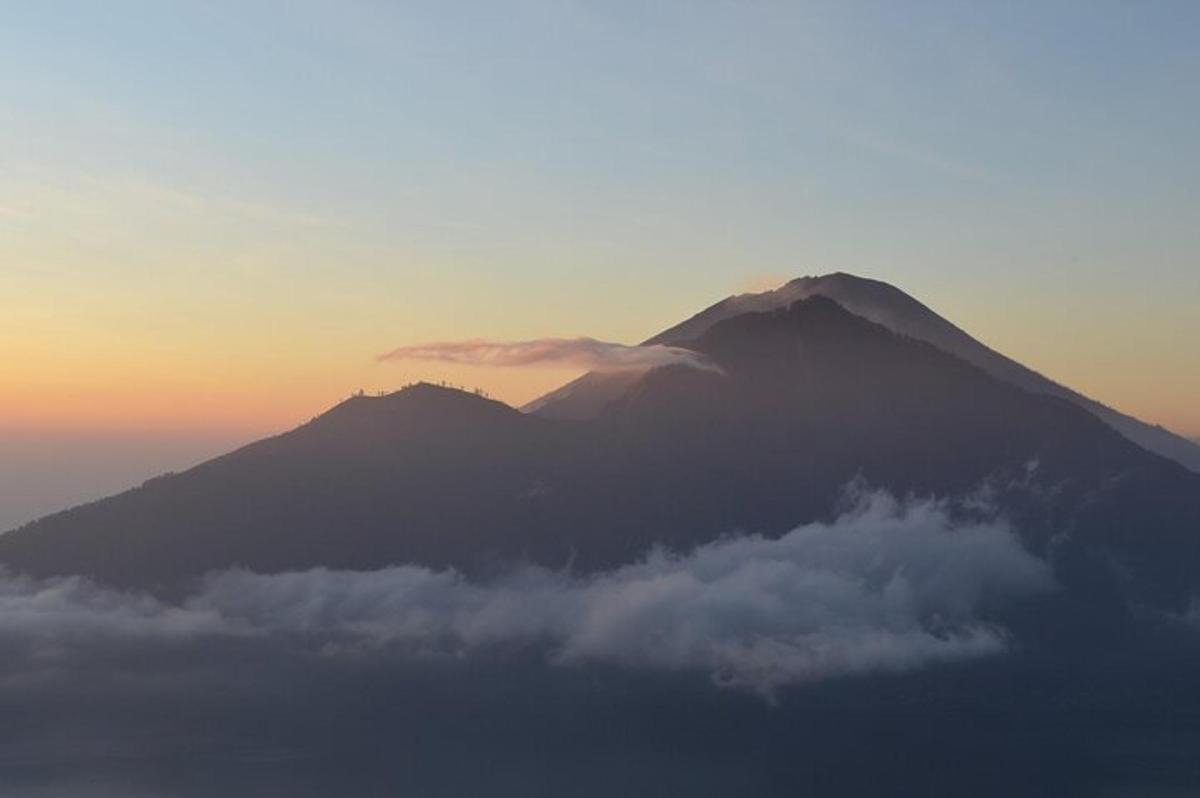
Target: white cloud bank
581,352
888,586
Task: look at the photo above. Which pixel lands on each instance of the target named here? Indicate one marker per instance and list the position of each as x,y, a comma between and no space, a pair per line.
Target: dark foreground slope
812,397
884,304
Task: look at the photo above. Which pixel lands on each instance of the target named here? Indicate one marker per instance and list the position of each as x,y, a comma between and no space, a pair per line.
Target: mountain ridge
810,398
885,304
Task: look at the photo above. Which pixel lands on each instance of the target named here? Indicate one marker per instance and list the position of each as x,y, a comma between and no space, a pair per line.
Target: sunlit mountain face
835,530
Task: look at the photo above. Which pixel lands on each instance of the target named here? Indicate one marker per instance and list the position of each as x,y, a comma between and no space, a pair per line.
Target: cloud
582,352
888,586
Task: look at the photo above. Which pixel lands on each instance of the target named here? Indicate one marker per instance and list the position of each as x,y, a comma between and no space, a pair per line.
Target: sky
214,216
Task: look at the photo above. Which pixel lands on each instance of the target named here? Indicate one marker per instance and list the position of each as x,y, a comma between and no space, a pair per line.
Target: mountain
374,480
894,309
810,397
584,397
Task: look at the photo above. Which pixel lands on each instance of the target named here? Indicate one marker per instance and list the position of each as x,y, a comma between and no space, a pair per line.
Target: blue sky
698,140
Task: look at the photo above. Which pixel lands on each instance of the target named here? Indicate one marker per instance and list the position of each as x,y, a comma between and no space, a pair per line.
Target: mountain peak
420,402
816,321
872,299
886,305
830,277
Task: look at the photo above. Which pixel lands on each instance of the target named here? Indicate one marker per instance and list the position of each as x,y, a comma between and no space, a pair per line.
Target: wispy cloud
582,352
888,586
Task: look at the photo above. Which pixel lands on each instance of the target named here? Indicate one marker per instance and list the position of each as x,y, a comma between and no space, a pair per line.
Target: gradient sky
214,215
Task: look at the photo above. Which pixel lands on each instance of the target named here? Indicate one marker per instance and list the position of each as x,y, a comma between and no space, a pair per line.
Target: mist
888,586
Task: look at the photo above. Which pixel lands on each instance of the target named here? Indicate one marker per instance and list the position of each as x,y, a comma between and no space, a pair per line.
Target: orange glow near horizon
253,401
249,372
272,402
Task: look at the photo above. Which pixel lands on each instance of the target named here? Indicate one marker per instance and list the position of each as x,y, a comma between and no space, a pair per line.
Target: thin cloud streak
582,352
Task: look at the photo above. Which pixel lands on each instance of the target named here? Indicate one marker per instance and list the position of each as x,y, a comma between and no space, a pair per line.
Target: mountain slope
886,305
817,391
811,398
375,480
584,397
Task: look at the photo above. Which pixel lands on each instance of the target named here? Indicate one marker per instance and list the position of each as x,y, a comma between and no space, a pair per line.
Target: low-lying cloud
888,586
581,352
